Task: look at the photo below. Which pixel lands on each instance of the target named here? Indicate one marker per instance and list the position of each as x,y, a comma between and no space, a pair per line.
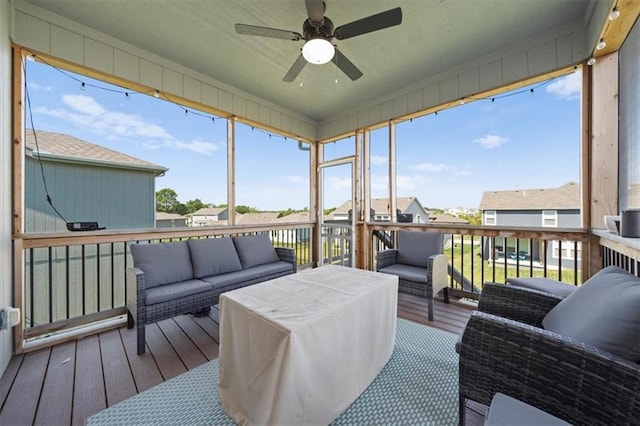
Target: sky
520,140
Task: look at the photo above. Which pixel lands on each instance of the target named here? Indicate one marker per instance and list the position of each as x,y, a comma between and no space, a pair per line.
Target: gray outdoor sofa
170,279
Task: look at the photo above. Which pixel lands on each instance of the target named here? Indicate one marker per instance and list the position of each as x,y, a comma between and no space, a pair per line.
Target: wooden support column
366,195
231,171
603,149
315,158
18,147
358,215
392,172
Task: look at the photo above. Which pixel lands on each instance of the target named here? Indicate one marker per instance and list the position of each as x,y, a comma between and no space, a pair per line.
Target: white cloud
84,111
432,167
379,160
567,87
296,179
491,141
36,86
338,183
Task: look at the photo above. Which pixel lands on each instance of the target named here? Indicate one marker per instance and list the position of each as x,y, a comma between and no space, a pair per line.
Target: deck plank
20,405
184,347
168,361
198,336
88,396
210,323
118,379
143,367
57,393
9,375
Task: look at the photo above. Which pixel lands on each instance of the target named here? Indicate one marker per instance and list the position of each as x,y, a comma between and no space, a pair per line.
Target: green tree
167,200
194,205
245,209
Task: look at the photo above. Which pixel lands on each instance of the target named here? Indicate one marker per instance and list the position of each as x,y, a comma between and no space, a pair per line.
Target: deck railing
68,280
479,254
72,279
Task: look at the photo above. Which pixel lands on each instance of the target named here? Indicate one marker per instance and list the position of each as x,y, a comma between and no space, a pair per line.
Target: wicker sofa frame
139,314
504,349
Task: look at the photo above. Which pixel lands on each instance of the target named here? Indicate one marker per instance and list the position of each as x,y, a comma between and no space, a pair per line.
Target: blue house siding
115,198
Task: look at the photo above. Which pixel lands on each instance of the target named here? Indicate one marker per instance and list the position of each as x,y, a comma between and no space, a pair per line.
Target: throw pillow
255,250
163,263
213,256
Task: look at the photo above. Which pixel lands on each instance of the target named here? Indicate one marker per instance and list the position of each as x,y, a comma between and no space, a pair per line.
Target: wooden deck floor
67,383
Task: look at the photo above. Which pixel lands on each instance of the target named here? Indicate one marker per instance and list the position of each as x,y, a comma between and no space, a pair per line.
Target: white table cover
299,349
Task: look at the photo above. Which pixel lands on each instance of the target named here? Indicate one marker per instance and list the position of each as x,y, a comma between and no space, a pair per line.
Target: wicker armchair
419,264
504,349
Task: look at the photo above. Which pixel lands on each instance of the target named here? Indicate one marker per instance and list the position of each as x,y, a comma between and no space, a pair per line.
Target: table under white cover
299,349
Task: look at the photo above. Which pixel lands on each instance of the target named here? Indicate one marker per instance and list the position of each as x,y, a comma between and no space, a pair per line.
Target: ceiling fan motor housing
324,31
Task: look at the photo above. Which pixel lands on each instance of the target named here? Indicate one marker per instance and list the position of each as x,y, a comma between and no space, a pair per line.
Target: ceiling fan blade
267,32
346,66
315,10
295,69
369,24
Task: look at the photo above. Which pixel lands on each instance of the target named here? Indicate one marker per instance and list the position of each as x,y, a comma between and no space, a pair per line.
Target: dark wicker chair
504,349
419,264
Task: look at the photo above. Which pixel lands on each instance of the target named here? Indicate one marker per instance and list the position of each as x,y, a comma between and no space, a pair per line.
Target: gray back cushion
415,248
255,250
213,256
603,312
163,263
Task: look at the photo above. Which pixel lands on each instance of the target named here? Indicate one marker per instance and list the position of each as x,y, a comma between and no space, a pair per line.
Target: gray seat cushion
255,250
164,293
163,263
603,312
406,272
507,411
224,280
543,284
415,248
213,256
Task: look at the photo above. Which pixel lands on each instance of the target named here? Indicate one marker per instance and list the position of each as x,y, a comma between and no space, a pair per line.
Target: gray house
209,216
546,207
86,183
170,220
409,207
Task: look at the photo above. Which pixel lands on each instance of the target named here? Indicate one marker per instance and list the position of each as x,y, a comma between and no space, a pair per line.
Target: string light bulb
156,94
615,14
82,86
601,44
591,61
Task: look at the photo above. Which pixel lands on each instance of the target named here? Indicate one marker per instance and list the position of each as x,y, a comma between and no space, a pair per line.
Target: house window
550,218
490,217
568,250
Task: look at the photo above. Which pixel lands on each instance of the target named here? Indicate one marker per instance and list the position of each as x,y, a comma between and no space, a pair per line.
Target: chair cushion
415,248
603,312
213,256
543,284
163,263
255,250
507,411
224,280
406,272
167,292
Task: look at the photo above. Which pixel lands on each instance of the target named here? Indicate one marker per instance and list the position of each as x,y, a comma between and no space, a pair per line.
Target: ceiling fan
317,32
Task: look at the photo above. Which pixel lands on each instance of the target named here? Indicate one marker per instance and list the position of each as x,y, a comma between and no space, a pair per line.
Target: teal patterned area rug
418,386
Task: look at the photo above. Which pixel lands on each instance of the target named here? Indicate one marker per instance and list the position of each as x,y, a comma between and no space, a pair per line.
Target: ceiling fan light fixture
318,51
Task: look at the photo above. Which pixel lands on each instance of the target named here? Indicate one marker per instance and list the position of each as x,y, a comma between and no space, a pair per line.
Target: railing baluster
32,286
50,281
84,281
67,280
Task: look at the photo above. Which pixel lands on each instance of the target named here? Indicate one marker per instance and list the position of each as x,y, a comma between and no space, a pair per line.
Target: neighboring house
209,216
256,218
86,183
546,207
445,218
292,236
409,207
170,220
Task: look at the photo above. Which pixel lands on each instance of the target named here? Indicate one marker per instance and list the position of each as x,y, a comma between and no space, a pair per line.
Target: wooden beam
615,32
17,184
604,139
